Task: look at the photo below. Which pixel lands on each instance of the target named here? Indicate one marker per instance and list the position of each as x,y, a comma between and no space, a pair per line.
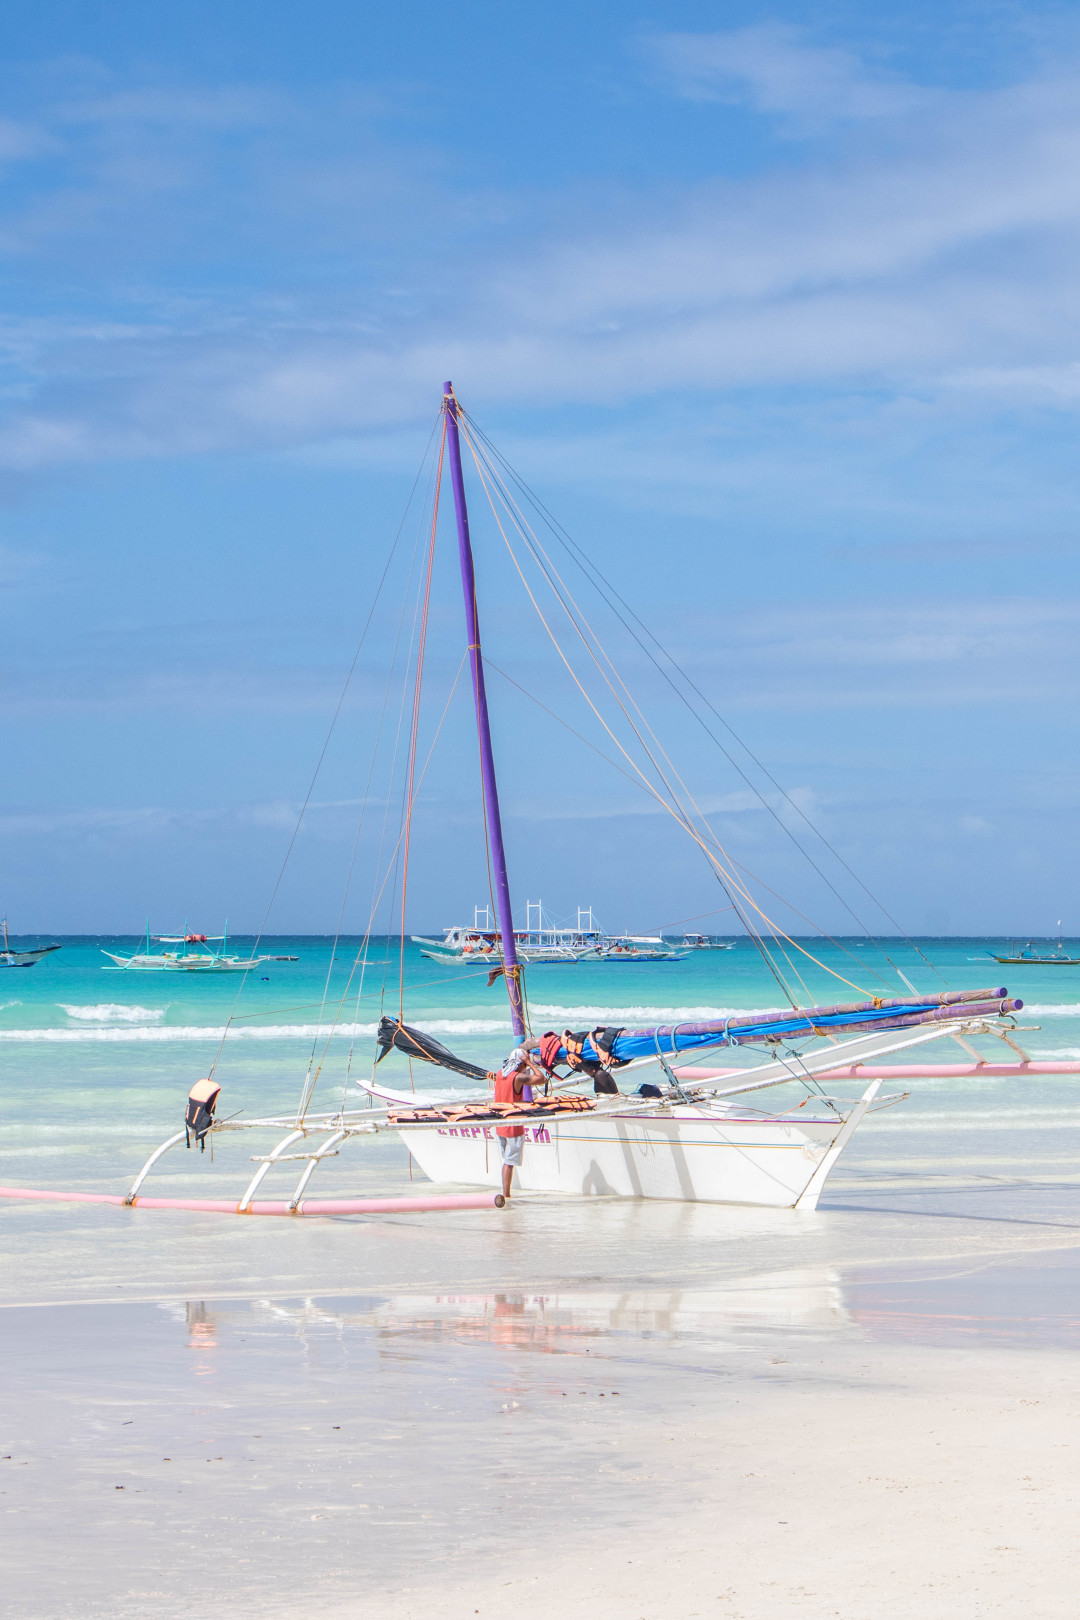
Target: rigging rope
360,959
607,591
326,744
726,877
418,683
570,607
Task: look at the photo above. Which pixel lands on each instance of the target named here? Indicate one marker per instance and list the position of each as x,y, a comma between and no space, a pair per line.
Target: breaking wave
268,1032
653,1015
114,1012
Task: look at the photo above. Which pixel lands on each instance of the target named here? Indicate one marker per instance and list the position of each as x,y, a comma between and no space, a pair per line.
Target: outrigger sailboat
202,959
10,957
1030,957
689,1132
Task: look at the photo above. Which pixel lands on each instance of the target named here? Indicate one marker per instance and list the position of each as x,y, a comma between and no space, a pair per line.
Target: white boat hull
183,964
534,955
696,1154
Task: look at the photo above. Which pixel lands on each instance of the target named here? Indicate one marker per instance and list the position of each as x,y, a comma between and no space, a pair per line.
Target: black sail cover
414,1043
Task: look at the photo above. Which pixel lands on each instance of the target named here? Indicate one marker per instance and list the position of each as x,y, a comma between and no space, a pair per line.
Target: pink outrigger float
222,1206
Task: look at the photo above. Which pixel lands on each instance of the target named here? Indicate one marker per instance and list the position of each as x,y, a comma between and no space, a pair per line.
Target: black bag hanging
202,1100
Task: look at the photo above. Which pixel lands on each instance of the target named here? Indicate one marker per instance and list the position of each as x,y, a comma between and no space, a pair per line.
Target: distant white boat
202,960
702,942
541,942
10,958
462,945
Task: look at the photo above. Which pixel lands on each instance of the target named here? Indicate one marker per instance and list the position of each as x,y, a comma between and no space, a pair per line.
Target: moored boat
203,959
10,957
1030,957
542,941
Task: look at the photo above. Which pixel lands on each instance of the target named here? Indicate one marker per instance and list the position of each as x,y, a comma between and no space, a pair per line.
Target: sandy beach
574,1408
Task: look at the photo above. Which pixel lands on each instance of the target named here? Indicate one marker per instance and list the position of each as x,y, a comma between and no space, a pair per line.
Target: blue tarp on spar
898,1013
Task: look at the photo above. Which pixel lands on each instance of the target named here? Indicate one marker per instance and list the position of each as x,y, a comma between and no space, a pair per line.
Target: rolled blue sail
674,1039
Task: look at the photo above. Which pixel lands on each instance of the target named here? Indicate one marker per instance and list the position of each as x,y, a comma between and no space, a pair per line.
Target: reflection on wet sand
316,1437
543,1321
1001,1300
202,1335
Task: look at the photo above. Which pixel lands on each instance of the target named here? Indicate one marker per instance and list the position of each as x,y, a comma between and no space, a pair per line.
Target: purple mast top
504,919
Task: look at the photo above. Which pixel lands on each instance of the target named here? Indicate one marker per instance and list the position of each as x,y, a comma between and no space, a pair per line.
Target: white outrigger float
689,1133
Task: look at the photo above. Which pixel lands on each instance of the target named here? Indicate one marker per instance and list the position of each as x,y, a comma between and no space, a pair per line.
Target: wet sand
584,1409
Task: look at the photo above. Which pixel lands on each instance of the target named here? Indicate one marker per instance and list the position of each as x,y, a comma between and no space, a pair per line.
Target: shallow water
98,1063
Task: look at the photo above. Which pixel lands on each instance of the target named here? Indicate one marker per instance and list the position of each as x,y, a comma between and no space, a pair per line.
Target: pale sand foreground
931,1498
767,1454
872,1413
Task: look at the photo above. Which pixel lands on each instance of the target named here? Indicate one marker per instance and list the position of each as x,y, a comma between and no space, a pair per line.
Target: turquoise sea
98,1063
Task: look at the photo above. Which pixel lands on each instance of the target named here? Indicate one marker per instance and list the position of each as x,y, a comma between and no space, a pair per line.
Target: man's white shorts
511,1149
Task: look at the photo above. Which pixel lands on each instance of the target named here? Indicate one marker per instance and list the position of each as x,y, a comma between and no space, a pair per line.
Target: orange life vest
505,1093
550,1047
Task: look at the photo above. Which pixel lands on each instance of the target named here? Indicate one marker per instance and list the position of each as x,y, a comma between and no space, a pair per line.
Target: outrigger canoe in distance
16,958
203,958
1030,957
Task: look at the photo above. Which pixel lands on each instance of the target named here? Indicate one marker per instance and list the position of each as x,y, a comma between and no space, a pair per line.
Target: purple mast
504,920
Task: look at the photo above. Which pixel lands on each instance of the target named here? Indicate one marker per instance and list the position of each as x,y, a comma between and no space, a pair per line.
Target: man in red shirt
514,1083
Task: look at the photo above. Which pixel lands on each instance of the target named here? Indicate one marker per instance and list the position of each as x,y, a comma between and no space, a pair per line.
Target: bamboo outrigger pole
504,919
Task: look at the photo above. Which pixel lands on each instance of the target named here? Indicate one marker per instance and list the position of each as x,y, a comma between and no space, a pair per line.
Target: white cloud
937,258
215,108
774,68
645,803
153,820
19,141
1045,384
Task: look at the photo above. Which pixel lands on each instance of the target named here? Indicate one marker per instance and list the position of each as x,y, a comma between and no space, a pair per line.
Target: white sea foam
653,1015
176,1032
462,1026
980,1120
1064,1009
4,1005
242,1032
114,1012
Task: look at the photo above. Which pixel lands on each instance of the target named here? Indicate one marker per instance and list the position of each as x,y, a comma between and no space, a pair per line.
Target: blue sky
778,307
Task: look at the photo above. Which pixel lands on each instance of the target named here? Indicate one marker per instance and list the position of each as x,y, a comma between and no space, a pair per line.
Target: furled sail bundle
396,1036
